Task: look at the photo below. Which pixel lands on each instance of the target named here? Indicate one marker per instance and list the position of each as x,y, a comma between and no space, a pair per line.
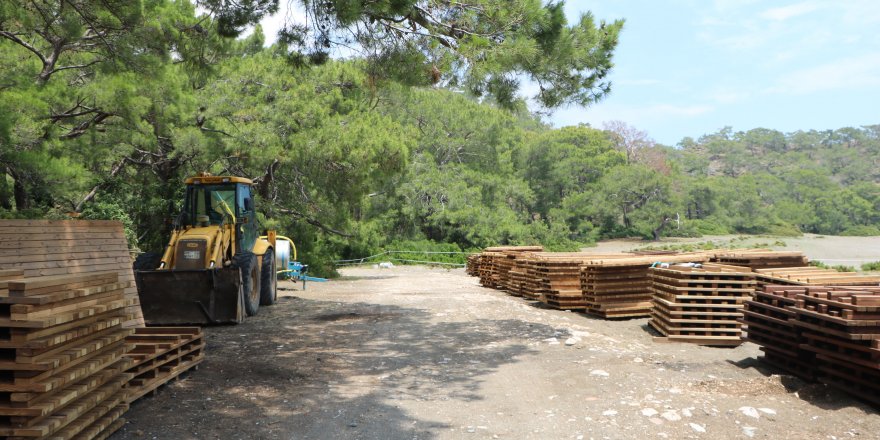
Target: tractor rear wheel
246,262
269,282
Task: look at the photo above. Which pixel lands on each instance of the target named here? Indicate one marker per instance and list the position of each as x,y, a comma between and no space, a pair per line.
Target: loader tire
147,261
246,262
269,279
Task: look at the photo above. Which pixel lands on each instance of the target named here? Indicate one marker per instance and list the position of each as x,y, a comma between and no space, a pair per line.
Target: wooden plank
24,360
74,371
26,312
54,320
10,274
78,415
34,339
48,403
64,295
48,284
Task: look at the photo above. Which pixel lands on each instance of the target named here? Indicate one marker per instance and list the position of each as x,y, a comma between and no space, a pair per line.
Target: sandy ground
422,353
834,250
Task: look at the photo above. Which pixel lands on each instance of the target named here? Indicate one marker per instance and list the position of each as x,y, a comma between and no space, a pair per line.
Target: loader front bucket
202,297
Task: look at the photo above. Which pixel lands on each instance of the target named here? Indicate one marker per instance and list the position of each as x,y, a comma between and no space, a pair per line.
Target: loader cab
213,201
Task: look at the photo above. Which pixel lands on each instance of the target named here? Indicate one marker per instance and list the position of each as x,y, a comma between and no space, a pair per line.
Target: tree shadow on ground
324,369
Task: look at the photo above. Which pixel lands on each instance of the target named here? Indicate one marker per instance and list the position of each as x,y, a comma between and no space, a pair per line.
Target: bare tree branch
91,195
314,222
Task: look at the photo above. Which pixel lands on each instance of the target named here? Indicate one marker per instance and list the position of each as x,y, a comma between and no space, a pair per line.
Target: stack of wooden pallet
494,264
472,267
488,269
842,328
813,276
519,276
63,365
558,282
530,285
619,286
700,305
553,277
57,247
503,266
769,321
760,258
161,354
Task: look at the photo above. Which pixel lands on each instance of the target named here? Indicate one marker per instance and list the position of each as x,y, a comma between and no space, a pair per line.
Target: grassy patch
837,267
871,267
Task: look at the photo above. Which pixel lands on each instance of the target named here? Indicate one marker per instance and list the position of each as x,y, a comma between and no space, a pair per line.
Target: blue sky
691,67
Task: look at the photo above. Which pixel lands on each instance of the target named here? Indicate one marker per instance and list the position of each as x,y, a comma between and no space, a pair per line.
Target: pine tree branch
14,38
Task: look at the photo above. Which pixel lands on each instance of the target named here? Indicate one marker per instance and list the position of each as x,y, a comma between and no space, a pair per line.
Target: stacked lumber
558,282
519,277
504,265
554,277
159,355
700,305
761,258
842,328
814,276
63,367
530,285
494,265
769,321
488,272
619,287
472,267
57,247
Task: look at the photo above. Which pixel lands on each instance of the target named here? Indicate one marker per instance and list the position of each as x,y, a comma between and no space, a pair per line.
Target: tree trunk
656,232
22,201
19,191
5,201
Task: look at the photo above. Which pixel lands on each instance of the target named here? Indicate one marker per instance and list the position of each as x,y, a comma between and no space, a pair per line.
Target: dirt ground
424,353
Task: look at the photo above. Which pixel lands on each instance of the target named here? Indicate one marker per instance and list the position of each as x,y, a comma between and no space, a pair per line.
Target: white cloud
785,12
849,73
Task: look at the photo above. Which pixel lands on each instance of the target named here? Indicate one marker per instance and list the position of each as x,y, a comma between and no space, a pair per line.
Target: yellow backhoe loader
217,268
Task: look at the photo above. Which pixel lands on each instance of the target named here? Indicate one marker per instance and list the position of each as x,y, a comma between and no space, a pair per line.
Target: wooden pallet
161,354
859,381
701,305
802,367
840,327
760,258
63,247
770,322
813,276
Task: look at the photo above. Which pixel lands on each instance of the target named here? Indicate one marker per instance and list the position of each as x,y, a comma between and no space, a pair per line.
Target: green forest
394,124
